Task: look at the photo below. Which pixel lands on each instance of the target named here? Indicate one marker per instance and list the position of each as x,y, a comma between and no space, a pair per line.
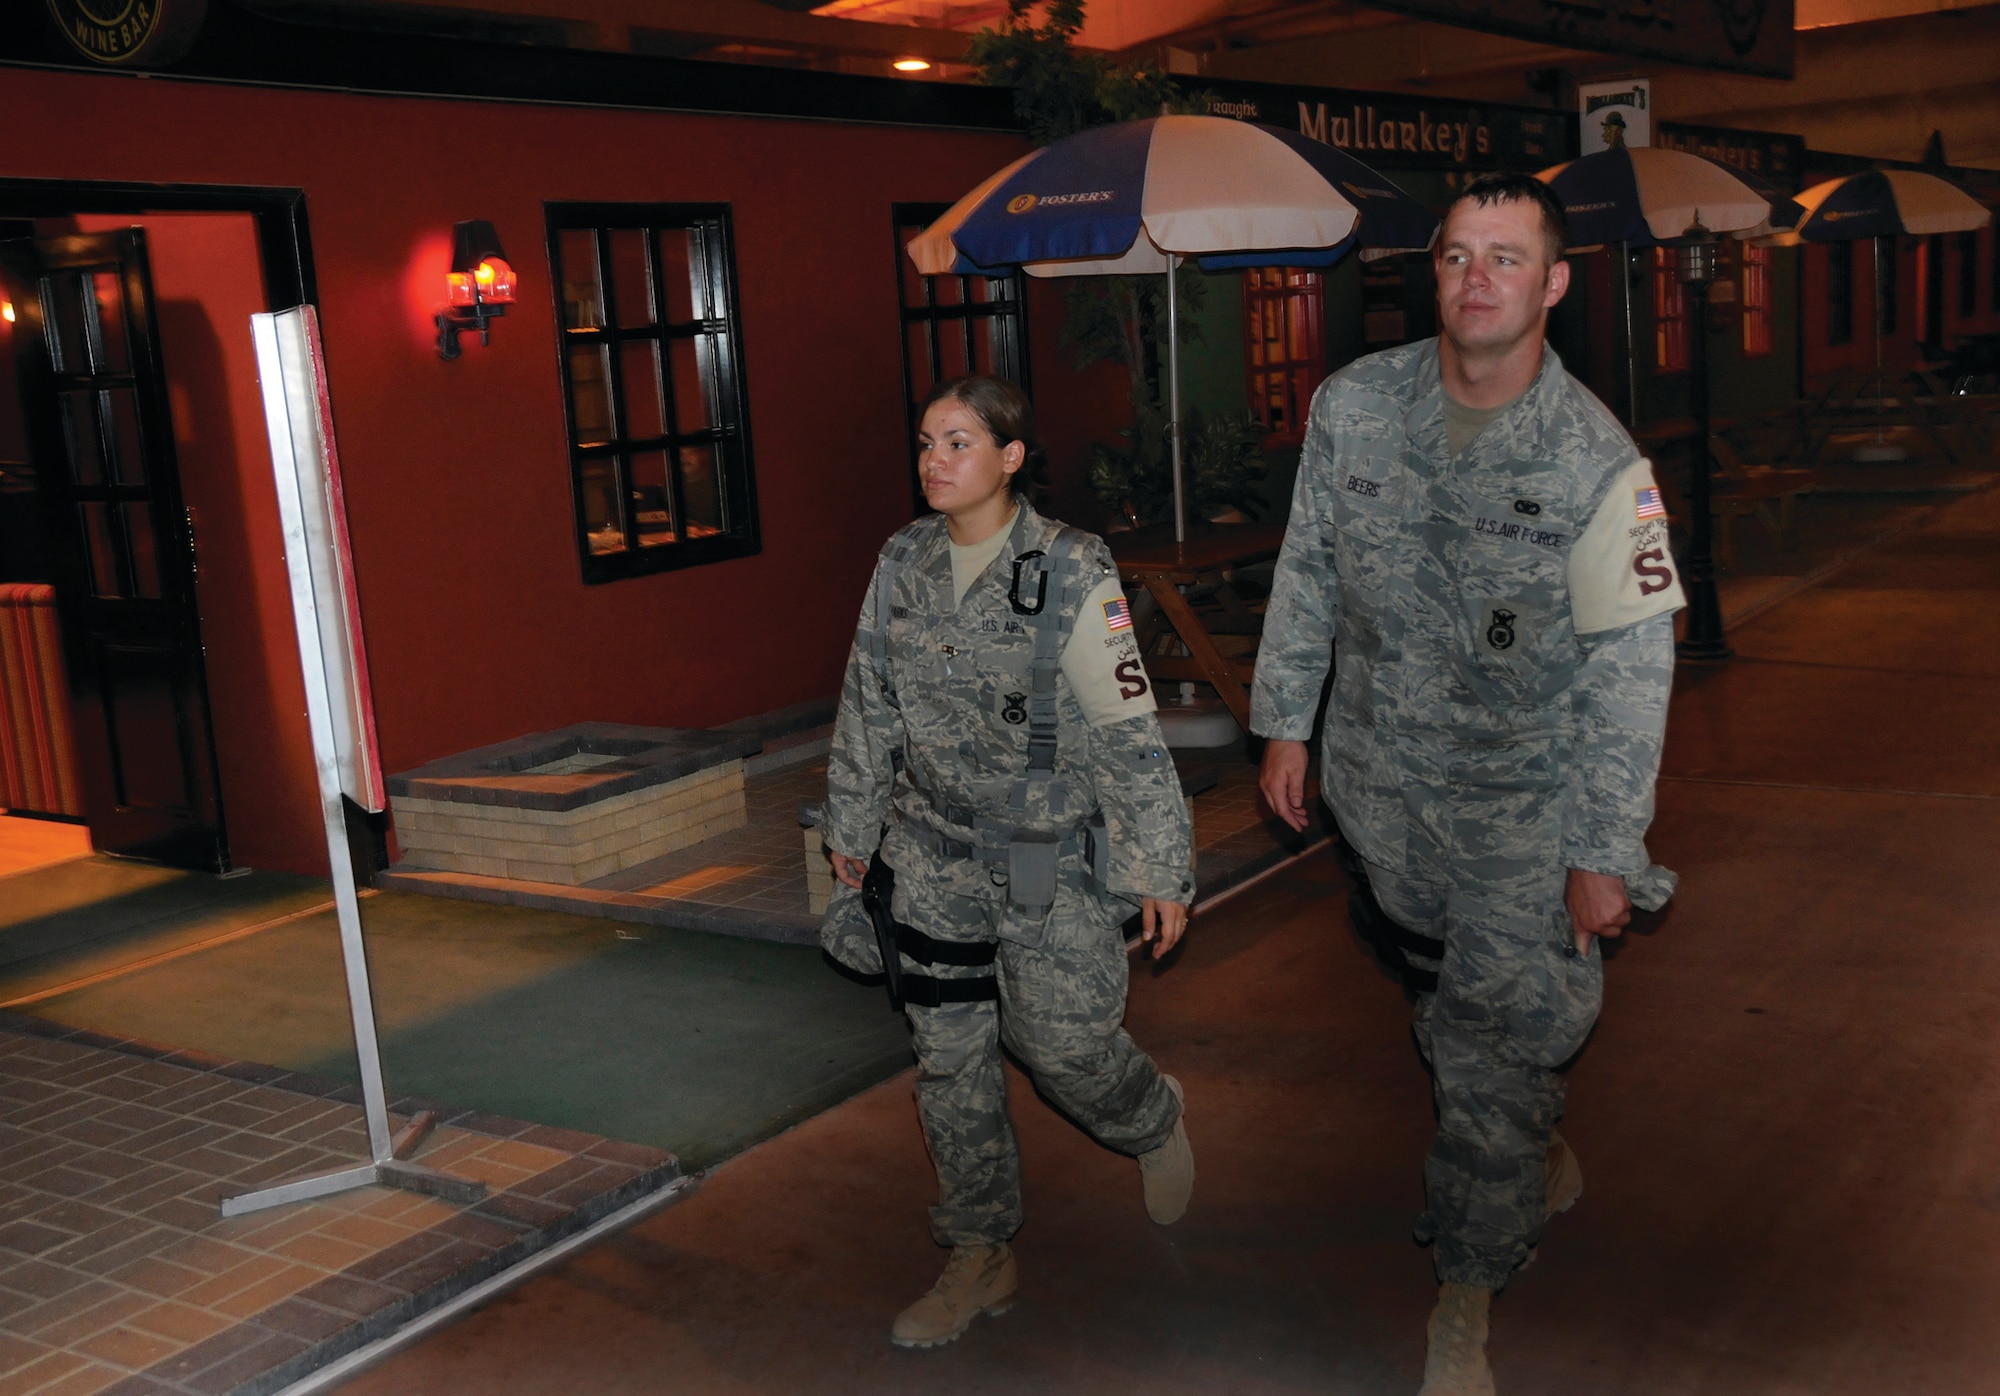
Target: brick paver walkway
118,1275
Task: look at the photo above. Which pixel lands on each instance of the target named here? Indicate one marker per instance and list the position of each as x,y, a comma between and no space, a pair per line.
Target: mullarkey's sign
1392,132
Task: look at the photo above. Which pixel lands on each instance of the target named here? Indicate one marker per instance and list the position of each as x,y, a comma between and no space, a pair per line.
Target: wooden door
94,399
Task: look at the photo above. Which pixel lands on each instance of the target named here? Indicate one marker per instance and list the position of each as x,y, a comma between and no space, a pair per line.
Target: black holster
878,894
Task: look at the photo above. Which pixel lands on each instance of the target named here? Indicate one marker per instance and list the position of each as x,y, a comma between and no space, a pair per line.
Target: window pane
651,507
112,354
701,493
600,507
949,290
639,375
982,347
951,340
86,449
127,451
691,357
590,392
102,542
583,295
65,292
685,301
631,278
145,562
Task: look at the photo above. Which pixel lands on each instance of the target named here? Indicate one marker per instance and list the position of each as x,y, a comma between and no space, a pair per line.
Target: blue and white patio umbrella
1877,204
1883,203
1647,196
1141,196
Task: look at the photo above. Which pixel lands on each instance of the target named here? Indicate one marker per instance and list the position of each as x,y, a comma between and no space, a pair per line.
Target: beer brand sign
1391,132
129,33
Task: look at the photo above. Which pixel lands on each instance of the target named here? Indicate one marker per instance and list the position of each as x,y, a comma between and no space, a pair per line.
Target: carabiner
1041,593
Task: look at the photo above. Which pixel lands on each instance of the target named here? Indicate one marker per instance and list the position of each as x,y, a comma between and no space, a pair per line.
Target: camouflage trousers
1513,1003
1060,1012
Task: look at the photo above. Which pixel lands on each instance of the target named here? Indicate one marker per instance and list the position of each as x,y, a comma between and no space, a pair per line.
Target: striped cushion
37,746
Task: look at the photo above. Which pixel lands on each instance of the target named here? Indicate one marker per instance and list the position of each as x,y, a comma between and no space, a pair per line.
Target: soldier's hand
1162,923
1283,781
1598,906
850,870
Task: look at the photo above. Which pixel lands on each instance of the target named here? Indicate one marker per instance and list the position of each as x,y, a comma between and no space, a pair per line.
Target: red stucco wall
478,626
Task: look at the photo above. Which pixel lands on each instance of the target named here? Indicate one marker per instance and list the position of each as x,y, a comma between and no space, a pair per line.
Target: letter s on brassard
1131,676
1654,574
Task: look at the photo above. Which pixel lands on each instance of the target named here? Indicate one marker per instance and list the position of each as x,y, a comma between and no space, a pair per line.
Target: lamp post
1702,636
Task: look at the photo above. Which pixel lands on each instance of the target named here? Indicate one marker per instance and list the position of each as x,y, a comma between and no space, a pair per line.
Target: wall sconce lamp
481,285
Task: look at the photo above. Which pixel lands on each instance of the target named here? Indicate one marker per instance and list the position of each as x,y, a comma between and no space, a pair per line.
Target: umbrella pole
1174,399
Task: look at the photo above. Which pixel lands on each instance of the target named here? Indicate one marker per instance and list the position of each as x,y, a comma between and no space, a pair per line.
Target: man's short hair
1503,188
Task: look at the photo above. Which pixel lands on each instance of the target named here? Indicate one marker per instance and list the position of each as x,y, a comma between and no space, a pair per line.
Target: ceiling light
912,65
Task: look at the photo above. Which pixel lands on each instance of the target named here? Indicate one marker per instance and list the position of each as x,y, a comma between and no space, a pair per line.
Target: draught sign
307,475
292,368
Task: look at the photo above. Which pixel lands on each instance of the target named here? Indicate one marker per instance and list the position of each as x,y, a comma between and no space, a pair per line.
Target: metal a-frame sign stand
291,369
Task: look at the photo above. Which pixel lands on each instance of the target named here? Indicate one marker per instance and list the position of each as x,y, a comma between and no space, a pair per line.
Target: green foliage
1221,458
1059,91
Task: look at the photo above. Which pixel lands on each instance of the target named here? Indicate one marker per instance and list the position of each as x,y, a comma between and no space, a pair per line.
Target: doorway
131,488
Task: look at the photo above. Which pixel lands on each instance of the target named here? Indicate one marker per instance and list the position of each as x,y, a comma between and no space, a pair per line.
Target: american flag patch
1647,503
1117,615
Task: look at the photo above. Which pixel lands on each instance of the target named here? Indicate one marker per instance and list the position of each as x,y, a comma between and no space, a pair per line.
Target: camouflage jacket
1446,594
937,728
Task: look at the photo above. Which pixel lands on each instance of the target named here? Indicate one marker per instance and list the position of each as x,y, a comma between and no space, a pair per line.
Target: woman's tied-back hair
1497,188
1004,410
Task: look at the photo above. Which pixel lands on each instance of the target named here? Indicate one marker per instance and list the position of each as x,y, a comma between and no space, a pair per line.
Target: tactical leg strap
927,950
926,992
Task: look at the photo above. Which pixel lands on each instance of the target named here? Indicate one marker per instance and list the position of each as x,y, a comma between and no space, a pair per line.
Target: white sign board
292,370
1615,114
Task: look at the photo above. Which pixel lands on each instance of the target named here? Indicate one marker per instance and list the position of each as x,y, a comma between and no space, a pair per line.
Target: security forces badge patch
1497,622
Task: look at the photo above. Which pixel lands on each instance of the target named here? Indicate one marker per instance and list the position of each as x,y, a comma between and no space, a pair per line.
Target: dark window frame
1968,274
1672,317
1280,386
1005,310
1839,292
1755,267
712,258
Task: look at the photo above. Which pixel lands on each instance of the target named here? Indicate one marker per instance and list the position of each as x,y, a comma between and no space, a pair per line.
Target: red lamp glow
479,287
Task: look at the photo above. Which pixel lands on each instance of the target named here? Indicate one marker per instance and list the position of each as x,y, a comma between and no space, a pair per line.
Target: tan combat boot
1455,1343
976,1280
1167,1172
1565,1176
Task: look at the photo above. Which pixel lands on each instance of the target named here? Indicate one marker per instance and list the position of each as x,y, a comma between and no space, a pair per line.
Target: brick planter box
573,805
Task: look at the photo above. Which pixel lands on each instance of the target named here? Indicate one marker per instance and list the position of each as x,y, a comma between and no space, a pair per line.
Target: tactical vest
993,766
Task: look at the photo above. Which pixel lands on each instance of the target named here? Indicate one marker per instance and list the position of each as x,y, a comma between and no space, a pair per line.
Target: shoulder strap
1062,565
902,546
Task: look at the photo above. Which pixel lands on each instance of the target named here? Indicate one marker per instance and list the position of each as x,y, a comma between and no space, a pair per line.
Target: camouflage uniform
935,742
1501,628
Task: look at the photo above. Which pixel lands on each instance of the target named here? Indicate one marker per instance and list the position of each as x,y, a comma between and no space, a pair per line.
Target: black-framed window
1839,292
953,325
1887,272
1968,274
651,349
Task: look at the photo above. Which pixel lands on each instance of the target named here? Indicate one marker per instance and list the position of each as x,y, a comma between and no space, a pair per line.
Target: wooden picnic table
1191,590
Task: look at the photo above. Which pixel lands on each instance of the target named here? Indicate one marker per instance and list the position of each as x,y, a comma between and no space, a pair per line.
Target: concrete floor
1788,1119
